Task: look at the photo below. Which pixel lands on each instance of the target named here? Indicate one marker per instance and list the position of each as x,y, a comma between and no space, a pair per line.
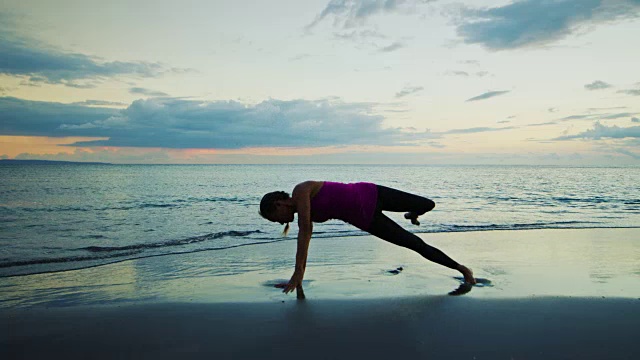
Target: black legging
398,201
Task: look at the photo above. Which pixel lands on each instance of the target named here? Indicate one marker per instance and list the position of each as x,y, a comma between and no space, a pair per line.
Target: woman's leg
399,201
388,230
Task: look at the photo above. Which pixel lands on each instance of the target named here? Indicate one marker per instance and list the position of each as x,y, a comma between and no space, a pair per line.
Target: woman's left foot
413,217
468,274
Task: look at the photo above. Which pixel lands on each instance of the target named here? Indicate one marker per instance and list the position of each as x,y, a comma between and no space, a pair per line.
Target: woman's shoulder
310,183
308,187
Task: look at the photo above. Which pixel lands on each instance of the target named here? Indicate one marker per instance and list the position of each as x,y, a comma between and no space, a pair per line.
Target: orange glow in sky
12,146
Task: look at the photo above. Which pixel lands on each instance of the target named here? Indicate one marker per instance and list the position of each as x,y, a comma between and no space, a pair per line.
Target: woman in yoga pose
359,204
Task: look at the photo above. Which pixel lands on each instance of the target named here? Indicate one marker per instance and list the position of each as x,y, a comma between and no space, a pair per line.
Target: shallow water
60,217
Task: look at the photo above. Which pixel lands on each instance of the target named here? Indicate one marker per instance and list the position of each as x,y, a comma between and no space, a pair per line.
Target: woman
359,204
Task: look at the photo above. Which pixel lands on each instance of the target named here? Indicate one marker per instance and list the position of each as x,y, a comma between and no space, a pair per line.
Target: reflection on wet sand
583,263
110,283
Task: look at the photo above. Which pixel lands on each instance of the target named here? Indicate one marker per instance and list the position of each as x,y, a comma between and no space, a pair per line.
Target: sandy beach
423,327
549,294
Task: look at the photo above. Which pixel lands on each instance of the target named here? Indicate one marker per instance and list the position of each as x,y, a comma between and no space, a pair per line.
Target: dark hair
268,205
268,202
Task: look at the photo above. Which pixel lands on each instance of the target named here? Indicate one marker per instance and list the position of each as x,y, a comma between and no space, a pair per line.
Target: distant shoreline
60,162
49,162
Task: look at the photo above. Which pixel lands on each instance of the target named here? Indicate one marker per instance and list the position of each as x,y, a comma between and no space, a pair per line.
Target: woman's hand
295,282
299,290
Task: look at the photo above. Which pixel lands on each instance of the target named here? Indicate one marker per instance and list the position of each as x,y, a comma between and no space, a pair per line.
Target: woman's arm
302,197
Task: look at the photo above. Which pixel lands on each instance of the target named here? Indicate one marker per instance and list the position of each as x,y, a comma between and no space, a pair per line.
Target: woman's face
282,213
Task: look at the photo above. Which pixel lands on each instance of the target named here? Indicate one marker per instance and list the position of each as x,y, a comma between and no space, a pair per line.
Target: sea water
70,216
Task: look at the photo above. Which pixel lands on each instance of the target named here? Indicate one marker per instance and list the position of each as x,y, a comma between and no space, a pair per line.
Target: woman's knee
428,205
415,243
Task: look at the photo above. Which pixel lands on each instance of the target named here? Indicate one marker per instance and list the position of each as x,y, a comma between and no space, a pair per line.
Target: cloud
39,118
457,73
351,21
392,47
147,92
466,73
477,130
300,57
632,92
98,103
600,131
600,116
41,63
628,153
487,95
354,13
597,85
579,117
179,123
359,35
607,108
470,62
367,39
616,116
503,121
408,90
536,22
589,117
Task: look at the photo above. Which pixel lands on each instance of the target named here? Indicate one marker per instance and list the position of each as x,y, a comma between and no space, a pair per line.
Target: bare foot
413,217
467,273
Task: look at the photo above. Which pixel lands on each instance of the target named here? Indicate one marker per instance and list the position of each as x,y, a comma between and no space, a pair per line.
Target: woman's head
274,207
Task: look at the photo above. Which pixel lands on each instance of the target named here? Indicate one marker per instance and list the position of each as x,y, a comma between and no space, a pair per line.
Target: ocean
59,217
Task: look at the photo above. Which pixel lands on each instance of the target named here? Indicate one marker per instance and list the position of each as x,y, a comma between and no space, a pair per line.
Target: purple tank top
353,203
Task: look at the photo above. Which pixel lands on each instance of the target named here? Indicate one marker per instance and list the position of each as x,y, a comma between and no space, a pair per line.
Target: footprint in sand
395,271
480,282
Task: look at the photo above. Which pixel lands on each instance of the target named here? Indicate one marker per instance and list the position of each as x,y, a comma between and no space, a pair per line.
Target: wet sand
421,327
553,294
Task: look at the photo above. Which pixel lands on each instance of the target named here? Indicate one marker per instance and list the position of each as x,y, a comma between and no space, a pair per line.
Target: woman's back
354,203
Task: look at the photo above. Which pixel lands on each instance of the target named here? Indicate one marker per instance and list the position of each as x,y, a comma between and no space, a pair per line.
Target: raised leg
399,201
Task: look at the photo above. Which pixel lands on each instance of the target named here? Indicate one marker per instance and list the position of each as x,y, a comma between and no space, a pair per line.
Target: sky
543,82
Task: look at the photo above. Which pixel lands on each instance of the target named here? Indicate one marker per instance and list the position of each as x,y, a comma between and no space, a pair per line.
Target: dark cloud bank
601,131
535,22
179,123
39,63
